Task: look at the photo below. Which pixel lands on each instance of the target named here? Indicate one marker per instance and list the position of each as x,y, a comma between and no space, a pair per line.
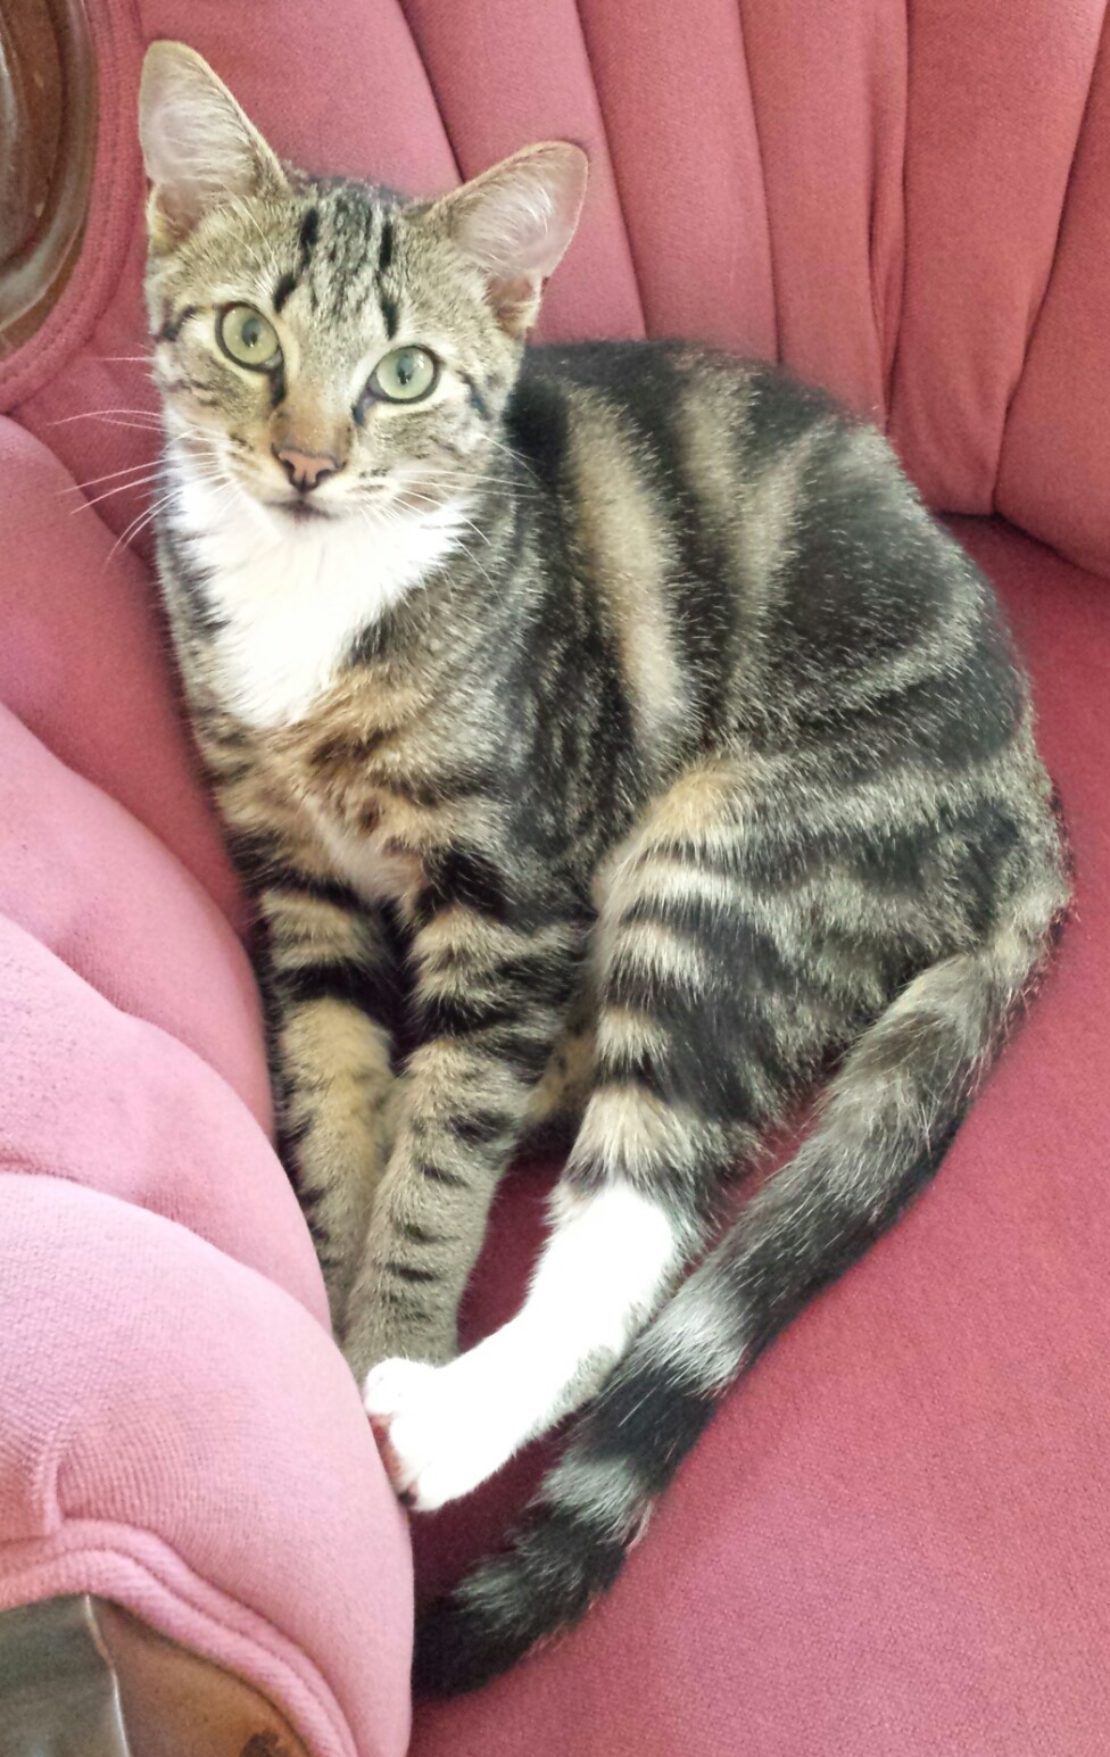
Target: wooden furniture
81,1678
47,123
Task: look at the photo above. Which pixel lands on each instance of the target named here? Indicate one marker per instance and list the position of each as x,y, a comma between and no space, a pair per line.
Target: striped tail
887,1120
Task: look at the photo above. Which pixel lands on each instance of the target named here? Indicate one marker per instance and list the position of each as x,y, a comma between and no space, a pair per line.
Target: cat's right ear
515,221
198,146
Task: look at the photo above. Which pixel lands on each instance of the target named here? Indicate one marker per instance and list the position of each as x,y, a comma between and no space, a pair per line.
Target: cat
608,738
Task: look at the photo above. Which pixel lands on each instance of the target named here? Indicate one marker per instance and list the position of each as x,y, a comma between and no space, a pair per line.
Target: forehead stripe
310,231
385,246
390,315
173,326
285,286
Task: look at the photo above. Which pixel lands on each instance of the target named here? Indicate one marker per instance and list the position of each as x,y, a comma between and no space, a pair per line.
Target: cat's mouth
301,512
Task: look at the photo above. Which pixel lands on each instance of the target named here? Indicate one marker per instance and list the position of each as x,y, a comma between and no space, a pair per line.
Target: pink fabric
1055,468
83,660
189,1443
995,103
99,890
896,1538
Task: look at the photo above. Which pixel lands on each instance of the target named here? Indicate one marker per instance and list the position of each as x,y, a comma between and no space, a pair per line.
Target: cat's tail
887,1120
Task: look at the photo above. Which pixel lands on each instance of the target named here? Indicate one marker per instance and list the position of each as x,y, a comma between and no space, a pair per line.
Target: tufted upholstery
895,1538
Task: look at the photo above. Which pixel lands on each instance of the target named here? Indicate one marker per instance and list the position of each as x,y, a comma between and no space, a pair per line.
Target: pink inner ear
516,300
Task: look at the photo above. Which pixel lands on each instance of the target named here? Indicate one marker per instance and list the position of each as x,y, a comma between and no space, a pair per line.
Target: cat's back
760,556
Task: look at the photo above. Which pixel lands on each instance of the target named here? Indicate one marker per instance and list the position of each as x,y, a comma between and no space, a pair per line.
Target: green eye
248,338
405,376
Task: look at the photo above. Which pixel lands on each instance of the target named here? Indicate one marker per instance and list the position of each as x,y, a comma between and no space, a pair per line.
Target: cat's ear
516,221
198,146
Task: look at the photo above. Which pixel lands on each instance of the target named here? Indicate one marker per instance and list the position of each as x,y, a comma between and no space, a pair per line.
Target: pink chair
896,1537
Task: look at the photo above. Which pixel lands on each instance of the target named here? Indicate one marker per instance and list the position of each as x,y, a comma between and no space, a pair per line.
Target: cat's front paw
438,1435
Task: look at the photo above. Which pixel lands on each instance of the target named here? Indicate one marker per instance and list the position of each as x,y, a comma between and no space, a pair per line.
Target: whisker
134,529
108,476
499,445
94,414
142,482
120,488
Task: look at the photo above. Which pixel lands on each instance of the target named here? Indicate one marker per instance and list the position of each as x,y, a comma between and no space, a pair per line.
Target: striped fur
614,740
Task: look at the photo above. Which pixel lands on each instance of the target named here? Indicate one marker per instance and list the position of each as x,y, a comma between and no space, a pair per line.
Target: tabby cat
605,734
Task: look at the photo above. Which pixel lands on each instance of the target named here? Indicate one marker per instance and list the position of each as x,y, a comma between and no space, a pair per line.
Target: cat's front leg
333,993
495,973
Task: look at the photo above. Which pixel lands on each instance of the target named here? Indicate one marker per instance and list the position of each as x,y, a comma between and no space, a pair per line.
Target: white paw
440,1429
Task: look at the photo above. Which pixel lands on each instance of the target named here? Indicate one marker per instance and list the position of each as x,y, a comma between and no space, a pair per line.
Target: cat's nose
306,469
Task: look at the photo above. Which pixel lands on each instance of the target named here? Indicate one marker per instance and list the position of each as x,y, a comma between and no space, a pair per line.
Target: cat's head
329,348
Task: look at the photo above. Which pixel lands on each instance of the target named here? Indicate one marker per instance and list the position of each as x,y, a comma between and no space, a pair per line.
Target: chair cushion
180,1435
178,1431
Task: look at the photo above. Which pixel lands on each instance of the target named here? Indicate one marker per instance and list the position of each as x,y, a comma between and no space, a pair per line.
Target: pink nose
306,469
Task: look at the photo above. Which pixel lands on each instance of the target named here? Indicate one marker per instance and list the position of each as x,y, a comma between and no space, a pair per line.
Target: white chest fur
293,597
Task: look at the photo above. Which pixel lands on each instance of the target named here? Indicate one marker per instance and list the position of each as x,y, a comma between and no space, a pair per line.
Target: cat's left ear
199,147
516,221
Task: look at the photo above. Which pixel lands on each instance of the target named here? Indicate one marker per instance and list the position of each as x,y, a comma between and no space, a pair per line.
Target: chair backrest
909,205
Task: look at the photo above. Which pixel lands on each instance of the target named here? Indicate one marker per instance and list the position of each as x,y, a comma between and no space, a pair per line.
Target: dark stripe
556,1566
341,749
403,1300
199,385
285,286
480,1129
420,1235
310,231
457,1015
529,1055
173,326
290,882
439,790
385,247
449,1179
406,1272
647,1419
791,1262
258,856
543,978
390,314
193,582
342,981
230,773
476,399
277,385
463,876
539,427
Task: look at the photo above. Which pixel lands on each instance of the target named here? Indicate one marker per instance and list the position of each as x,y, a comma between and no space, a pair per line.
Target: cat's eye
248,338
405,376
